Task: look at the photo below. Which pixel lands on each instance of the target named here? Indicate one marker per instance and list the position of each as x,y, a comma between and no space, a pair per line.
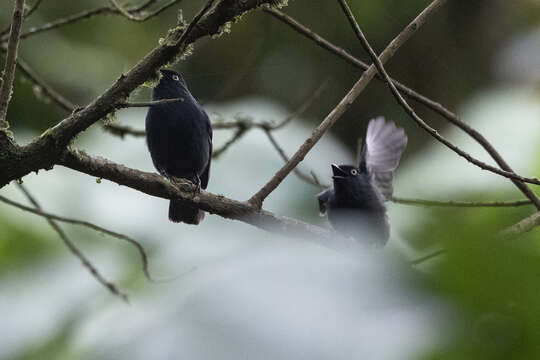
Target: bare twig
305,105
428,257
123,130
336,113
431,104
123,105
45,89
31,10
155,185
310,179
43,151
87,14
522,227
6,87
52,217
410,111
236,136
240,73
27,13
67,241
452,203
130,13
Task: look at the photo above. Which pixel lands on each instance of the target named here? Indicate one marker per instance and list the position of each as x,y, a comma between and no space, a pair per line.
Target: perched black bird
355,204
179,137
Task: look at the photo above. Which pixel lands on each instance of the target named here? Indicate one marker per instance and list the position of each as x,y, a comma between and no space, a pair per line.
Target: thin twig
45,89
452,203
27,13
123,130
149,103
6,87
410,111
236,136
138,246
305,105
87,14
312,180
428,257
431,104
343,105
130,13
240,73
522,227
67,241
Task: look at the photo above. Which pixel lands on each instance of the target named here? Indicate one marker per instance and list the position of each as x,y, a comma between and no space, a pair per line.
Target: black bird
179,137
355,204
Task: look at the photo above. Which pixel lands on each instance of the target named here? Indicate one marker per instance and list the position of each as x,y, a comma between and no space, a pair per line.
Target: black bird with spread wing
179,137
355,204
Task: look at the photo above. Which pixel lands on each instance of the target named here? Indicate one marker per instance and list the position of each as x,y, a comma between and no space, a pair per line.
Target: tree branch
312,180
27,13
45,89
123,105
343,105
67,241
155,185
45,150
87,14
523,226
410,111
431,104
51,217
130,14
428,257
6,87
238,134
452,203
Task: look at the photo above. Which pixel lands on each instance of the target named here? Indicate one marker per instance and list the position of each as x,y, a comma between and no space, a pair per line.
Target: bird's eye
175,77
354,172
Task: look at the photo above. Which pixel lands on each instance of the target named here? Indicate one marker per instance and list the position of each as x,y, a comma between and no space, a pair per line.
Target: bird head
172,77
349,179
171,85
344,172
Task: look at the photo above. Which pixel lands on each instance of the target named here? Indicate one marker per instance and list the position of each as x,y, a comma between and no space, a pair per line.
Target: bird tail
180,211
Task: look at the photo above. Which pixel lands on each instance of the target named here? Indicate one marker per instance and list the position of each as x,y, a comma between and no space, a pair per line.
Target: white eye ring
354,172
175,77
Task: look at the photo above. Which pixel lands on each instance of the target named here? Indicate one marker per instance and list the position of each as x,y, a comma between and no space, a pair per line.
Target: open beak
338,173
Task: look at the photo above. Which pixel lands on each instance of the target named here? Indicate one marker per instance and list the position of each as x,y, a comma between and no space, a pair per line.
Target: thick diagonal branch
44,151
343,105
421,123
429,103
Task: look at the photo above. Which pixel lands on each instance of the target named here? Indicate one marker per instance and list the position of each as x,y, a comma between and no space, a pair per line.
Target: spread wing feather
382,151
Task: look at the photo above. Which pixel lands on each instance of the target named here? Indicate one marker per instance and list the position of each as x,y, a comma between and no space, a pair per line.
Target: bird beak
338,173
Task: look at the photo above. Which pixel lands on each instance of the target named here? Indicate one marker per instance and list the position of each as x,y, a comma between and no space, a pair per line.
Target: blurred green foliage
492,285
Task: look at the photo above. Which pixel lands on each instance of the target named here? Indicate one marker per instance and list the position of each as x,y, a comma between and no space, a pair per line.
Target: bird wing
206,173
323,198
382,150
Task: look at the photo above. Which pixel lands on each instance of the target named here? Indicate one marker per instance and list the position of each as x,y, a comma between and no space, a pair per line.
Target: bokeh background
239,292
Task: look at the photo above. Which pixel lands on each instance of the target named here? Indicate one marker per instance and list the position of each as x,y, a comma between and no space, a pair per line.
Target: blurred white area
242,293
